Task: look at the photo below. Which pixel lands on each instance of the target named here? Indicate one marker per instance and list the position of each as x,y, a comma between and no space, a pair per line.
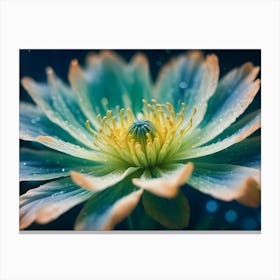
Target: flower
117,142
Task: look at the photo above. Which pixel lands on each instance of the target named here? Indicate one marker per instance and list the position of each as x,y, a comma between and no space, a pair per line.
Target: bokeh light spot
249,224
230,216
211,206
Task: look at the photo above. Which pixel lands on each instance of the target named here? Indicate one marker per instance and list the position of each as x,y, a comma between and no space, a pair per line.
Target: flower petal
227,182
245,153
108,207
47,202
34,123
168,185
69,148
98,183
236,133
57,101
36,127
172,213
79,84
189,79
234,94
38,165
141,87
105,84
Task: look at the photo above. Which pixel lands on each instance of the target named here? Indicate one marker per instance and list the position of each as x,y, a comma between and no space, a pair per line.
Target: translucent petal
49,201
69,148
36,127
168,184
227,182
236,133
56,100
108,207
98,183
141,87
107,78
36,165
108,83
234,94
189,79
33,123
245,153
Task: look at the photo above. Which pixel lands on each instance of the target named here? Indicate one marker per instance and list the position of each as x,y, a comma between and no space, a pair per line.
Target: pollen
149,140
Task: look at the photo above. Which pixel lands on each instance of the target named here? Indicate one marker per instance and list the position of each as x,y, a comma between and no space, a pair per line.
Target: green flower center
139,129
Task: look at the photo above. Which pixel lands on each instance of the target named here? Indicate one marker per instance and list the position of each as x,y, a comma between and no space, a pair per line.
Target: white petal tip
81,180
122,209
42,138
27,82
167,186
250,194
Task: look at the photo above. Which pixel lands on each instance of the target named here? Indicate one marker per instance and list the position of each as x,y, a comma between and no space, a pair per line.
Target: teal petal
234,94
34,126
166,180
172,213
227,182
141,87
34,123
236,133
49,201
108,207
100,182
189,79
102,85
245,153
58,103
233,85
108,82
36,165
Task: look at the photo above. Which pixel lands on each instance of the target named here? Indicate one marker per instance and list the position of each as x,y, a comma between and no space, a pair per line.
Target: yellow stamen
148,141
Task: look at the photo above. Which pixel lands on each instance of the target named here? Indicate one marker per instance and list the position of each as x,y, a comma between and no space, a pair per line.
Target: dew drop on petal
183,85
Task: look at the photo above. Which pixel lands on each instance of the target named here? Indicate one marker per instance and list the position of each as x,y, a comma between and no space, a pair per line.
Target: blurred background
206,213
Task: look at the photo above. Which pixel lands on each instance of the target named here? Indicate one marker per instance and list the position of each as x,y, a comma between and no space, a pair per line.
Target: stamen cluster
148,140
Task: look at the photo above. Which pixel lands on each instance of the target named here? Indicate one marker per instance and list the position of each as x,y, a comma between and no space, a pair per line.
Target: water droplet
230,216
63,169
183,85
24,163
